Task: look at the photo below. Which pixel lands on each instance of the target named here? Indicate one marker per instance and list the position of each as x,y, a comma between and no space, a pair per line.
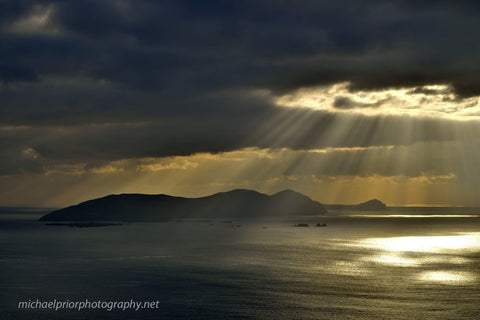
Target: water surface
402,265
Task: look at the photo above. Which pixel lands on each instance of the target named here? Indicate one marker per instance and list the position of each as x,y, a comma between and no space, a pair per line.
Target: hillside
238,203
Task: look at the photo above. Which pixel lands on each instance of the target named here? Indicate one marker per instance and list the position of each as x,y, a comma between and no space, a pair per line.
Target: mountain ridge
238,203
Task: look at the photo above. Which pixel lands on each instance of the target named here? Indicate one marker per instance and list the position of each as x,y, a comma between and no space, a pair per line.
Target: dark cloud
34,148
167,45
342,102
104,80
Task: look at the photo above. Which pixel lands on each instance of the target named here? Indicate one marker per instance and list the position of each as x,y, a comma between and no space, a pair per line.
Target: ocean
400,264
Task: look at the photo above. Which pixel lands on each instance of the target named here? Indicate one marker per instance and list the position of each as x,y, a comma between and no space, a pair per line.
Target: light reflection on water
424,243
423,252
415,215
400,260
353,269
348,268
395,260
449,277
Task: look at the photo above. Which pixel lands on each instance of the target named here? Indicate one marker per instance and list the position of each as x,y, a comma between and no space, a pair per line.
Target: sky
343,101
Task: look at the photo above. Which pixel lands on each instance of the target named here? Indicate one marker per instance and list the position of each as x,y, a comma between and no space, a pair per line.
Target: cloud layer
84,84
104,61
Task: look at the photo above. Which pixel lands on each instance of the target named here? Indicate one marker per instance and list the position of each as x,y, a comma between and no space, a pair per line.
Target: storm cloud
91,82
107,60
32,148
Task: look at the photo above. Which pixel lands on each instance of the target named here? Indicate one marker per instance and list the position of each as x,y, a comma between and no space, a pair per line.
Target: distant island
371,205
238,203
88,224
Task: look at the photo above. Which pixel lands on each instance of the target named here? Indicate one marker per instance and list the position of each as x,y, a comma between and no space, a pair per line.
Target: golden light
430,100
416,215
394,260
446,277
424,243
334,167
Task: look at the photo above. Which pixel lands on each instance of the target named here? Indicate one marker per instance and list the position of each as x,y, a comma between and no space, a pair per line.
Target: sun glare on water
390,259
433,259
446,276
424,243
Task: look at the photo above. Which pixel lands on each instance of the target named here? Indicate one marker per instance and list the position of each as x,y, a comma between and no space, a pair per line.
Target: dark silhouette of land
371,205
238,203
89,224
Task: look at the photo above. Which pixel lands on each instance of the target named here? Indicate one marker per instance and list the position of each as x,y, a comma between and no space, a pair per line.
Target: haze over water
399,265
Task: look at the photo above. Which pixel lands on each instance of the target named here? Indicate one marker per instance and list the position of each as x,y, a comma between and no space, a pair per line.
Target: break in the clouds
438,101
86,85
102,61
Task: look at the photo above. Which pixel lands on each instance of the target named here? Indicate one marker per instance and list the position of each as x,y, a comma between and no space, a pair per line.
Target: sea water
397,265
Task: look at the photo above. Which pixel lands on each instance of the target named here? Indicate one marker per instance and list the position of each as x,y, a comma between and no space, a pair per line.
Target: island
89,224
239,203
371,205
